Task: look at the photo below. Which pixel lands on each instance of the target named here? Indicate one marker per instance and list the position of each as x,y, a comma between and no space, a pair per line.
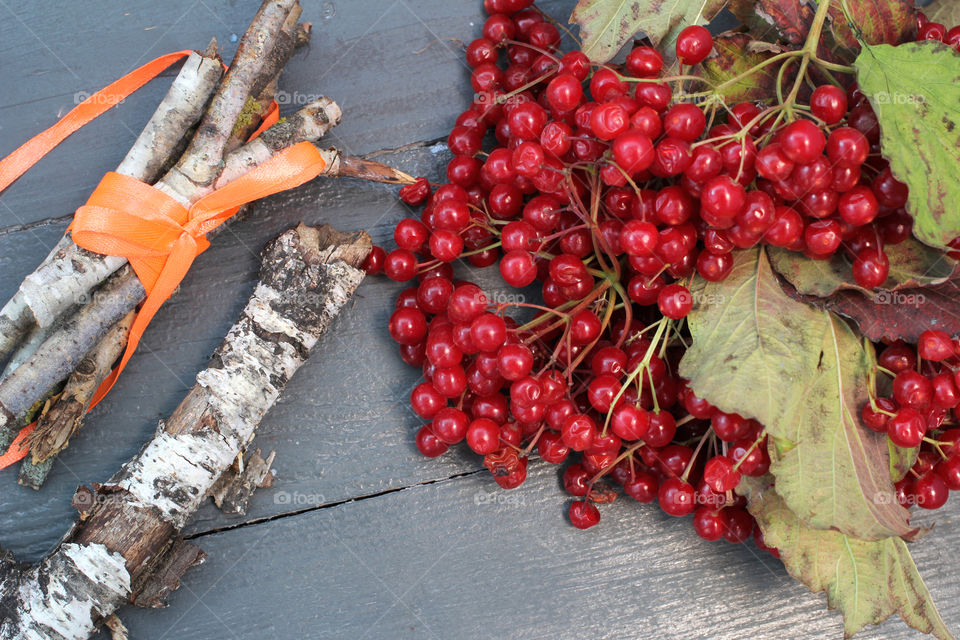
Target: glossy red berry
644,62
802,141
694,44
429,444
720,474
675,301
829,103
483,436
935,345
911,389
583,514
676,497
906,428
633,151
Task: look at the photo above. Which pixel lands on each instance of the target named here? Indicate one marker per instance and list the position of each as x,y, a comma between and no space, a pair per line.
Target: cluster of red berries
923,399
597,183
927,30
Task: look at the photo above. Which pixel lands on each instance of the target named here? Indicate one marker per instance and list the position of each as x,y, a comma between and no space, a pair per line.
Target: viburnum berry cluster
611,186
924,393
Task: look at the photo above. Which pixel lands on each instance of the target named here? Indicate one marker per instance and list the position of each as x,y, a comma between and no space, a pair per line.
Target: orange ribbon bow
159,236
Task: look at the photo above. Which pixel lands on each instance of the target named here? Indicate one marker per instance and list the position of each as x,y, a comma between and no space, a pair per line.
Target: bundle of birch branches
68,322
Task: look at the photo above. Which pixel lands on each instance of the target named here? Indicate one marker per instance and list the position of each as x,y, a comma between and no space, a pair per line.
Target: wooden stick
132,522
55,427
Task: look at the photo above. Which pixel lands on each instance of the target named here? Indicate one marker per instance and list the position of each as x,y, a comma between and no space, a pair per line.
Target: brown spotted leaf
734,54
867,581
808,376
912,264
875,22
915,91
606,25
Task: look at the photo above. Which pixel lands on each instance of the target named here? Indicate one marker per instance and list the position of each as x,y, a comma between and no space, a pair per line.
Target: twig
69,272
199,165
55,427
64,349
132,524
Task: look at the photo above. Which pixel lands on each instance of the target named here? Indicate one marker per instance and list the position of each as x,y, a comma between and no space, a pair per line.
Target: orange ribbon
159,236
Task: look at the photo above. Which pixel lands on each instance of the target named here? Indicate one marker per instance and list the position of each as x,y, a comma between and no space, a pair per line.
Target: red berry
907,428
709,523
694,44
931,491
935,345
518,268
578,431
633,151
911,389
802,141
720,474
483,436
429,444
583,514
564,92
644,62
871,268
829,103
676,497
675,301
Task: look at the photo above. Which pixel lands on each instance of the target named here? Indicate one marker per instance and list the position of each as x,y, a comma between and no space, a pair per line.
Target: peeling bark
233,490
307,276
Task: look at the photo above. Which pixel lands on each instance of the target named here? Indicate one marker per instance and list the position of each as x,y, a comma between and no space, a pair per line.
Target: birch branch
55,427
62,351
70,272
306,277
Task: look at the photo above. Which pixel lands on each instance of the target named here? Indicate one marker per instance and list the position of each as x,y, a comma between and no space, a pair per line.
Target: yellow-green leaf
606,25
804,375
867,581
915,90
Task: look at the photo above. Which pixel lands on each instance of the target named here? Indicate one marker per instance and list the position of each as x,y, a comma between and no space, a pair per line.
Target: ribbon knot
161,238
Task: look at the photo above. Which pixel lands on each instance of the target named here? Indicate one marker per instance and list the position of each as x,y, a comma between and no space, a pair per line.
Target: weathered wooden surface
427,561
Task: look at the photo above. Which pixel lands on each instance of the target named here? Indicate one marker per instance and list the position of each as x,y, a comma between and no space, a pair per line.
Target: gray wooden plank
347,404
444,561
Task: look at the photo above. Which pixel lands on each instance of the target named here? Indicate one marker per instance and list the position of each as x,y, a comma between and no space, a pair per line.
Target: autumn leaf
867,581
903,314
606,25
807,376
875,22
912,264
919,116
791,18
733,55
